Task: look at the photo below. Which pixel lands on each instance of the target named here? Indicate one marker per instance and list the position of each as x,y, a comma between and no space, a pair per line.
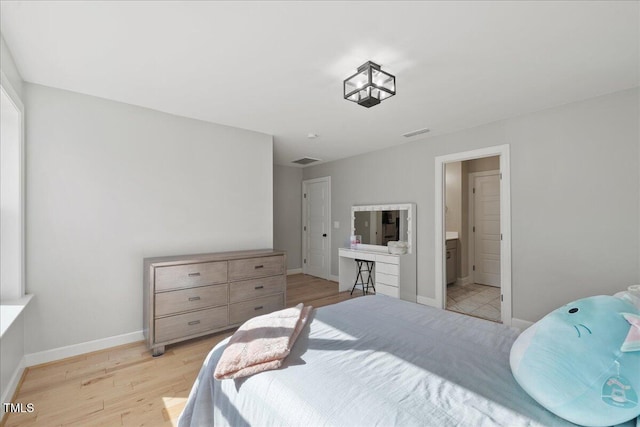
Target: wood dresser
193,295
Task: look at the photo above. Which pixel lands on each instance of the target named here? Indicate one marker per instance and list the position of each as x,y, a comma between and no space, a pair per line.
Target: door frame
472,212
305,183
18,289
505,224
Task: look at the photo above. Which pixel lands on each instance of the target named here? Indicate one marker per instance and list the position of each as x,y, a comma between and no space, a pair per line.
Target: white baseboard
520,324
334,278
427,301
82,348
516,323
294,271
12,386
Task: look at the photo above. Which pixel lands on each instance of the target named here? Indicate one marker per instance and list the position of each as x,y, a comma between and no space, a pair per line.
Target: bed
377,360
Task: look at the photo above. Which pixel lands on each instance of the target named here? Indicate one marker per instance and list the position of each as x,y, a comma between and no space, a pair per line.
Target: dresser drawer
256,288
255,267
190,275
191,299
241,311
184,325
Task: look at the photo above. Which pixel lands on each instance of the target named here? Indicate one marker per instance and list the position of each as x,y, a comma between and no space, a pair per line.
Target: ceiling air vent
305,161
415,132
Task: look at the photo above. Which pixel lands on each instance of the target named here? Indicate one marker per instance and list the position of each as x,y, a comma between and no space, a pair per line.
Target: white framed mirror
379,224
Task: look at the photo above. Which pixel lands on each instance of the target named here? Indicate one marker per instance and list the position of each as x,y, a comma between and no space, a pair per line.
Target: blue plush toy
571,362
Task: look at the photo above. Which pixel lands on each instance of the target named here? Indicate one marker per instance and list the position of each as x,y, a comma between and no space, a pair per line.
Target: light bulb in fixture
360,87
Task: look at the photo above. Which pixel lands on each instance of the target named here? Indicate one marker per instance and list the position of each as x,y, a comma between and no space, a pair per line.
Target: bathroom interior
472,224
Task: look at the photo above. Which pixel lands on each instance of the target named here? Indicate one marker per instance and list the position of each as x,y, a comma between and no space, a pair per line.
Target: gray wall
453,197
287,213
483,164
9,68
574,194
109,184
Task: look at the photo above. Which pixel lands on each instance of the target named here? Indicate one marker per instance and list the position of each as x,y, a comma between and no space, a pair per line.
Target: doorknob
324,235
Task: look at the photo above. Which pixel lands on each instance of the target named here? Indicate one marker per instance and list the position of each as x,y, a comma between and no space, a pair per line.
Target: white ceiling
278,67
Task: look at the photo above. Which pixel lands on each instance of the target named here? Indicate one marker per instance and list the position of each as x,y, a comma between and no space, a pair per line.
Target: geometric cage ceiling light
370,85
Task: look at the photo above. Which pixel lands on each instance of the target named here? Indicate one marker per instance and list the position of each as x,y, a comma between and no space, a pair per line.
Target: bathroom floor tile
476,300
496,303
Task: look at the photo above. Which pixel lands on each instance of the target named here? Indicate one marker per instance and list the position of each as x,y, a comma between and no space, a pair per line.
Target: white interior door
487,229
317,212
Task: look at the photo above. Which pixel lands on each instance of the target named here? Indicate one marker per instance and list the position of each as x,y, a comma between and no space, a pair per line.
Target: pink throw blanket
262,343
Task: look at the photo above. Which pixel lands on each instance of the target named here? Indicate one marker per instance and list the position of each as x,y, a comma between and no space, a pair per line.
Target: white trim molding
505,222
54,354
11,310
520,324
427,301
14,98
12,386
294,271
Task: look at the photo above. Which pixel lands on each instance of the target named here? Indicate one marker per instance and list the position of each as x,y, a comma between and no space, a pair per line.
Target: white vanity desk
393,275
387,272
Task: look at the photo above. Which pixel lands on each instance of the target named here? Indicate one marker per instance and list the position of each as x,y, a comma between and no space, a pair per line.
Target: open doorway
472,238
473,255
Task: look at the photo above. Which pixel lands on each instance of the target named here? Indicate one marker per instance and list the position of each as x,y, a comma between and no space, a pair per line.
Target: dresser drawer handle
258,308
194,274
194,299
258,266
195,322
259,287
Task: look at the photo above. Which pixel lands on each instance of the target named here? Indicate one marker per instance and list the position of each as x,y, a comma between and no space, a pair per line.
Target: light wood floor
125,385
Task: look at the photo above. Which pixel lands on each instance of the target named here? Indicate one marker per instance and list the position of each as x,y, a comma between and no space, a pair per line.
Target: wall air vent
415,132
305,160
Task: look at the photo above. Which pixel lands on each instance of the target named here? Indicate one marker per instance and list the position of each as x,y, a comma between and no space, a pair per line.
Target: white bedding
380,361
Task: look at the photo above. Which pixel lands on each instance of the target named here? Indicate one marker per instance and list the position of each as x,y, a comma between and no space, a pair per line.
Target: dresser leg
158,351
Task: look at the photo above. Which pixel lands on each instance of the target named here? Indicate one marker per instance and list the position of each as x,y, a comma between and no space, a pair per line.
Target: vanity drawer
387,290
184,325
241,311
190,275
190,299
386,279
382,267
389,259
256,267
364,256
256,288
452,244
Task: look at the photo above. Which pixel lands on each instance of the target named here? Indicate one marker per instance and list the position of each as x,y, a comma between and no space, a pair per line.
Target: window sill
10,311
